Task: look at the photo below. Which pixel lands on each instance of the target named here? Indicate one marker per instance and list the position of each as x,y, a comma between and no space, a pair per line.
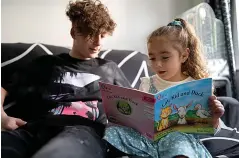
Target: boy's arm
119,77
7,122
16,85
3,96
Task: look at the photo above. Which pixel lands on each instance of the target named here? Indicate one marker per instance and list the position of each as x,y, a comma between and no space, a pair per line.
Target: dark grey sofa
15,56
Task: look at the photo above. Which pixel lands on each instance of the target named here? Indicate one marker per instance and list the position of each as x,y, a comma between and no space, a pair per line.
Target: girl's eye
152,59
164,58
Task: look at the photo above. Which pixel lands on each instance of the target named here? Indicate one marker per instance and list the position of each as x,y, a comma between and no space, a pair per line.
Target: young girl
175,56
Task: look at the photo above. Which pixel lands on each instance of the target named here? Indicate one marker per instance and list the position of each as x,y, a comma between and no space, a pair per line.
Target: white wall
45,21
196,2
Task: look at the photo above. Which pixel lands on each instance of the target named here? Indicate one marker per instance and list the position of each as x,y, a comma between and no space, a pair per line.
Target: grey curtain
222,12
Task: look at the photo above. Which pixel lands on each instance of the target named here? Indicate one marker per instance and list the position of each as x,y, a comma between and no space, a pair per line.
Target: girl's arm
231,115
145,84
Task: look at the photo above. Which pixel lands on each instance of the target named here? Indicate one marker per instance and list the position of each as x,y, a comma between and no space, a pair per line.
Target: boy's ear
185,55
72,33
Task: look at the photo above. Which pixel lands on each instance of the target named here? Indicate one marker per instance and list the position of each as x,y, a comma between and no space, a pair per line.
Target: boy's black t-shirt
62,85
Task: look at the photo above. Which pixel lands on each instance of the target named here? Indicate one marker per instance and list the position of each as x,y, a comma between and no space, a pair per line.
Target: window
235,29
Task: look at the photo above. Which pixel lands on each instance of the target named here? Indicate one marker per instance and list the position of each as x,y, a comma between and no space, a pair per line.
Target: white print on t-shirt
79,80
87,109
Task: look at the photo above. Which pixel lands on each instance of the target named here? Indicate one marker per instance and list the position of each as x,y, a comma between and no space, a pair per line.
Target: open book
181,108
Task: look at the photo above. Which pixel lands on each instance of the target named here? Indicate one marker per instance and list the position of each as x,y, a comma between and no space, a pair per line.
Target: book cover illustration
181,108
184,108
129,107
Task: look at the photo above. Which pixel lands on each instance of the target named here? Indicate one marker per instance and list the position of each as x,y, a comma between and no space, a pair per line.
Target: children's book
181,108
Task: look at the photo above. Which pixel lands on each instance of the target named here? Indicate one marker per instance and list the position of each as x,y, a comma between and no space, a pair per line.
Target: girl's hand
217,110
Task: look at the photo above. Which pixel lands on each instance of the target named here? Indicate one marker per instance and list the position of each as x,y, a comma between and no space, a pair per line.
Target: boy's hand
11,123
217,110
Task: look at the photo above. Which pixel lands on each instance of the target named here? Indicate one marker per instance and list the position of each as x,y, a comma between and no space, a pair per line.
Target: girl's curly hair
90,17
185,36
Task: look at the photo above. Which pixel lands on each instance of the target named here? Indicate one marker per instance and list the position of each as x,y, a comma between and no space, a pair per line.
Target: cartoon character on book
182,111
201,112
164,123
124,107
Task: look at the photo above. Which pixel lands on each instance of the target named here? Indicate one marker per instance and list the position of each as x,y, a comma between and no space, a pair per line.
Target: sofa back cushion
15,56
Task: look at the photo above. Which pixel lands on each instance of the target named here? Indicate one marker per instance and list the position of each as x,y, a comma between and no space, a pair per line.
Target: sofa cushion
132,63
15,56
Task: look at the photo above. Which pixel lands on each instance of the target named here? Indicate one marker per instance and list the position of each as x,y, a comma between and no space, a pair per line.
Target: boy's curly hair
185,36
90,17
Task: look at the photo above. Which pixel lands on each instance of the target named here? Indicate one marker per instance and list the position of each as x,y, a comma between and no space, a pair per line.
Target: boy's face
165,59
87,47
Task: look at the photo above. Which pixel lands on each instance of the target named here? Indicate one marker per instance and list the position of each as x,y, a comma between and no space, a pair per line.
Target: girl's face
166,59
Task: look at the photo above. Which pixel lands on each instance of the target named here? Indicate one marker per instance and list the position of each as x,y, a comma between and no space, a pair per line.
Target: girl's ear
185,55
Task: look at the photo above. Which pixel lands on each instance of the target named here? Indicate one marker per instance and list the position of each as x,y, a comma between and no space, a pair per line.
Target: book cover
181,108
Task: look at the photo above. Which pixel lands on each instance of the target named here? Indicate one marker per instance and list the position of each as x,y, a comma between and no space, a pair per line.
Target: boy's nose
97,41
